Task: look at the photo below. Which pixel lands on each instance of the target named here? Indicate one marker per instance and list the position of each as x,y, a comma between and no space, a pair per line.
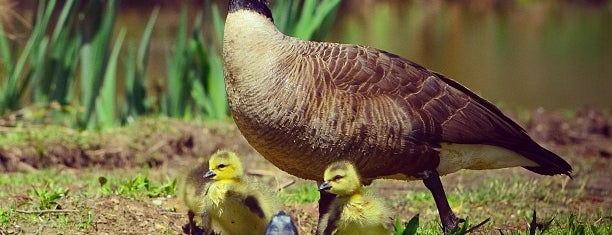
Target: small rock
159,226
158,202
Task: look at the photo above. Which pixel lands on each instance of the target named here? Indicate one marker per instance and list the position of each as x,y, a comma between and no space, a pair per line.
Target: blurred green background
101,63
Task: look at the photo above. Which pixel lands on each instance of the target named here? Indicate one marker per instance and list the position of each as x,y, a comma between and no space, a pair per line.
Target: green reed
74,63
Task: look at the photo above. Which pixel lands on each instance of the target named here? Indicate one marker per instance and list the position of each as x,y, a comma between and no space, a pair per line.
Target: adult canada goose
351,212
192,186
233,203
304,105
281,224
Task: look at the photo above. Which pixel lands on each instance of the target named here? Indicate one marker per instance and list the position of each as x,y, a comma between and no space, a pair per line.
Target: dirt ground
168,147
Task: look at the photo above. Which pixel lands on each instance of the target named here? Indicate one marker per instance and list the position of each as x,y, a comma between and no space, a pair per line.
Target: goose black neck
259,6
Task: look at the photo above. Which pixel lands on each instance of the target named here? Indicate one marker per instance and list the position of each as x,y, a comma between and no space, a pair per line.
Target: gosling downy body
193,186
351,212
233,203
304,105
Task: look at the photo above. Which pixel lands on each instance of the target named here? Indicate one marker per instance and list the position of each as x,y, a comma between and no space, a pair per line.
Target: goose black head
259,6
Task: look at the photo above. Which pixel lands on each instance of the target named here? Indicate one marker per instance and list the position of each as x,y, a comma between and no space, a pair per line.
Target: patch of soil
108,214
589,130
151,142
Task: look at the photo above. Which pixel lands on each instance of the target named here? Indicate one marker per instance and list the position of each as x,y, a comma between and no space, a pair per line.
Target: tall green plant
105,102
14,85
195,73
208,90
305,19
54,61
95,57
177,80
135,69
80,47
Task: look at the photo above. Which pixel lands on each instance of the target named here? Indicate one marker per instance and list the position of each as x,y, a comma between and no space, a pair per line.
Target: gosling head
341,178
224,165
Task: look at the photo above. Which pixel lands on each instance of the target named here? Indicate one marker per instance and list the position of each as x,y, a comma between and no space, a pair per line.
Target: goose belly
302,136
454,157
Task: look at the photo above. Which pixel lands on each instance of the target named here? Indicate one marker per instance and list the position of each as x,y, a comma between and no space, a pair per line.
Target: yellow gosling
351,212
234,203
191,188
192,185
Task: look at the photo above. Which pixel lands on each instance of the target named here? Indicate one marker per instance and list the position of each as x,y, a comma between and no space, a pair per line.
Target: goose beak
325,186
209,174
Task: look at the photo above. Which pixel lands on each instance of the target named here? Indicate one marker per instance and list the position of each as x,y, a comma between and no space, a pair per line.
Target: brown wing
441,109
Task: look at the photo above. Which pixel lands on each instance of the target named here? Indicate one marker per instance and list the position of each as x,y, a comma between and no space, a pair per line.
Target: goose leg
447,217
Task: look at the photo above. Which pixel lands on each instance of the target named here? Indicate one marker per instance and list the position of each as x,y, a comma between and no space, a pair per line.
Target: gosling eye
337,177
221,166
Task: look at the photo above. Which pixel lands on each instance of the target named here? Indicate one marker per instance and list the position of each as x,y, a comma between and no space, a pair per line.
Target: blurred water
550,54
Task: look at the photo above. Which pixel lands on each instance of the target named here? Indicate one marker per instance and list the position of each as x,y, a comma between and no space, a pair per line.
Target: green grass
47,190
409,229
571,226
50,133
87,221
509,197
45,198
5,217
302,193
137,187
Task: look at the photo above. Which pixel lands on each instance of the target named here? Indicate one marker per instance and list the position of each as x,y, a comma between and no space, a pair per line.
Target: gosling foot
192,228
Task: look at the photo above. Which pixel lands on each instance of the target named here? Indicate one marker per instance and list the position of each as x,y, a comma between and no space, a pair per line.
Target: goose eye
221,166
337,177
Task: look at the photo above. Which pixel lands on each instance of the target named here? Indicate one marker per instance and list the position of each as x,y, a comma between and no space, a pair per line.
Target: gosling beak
325,186
209,174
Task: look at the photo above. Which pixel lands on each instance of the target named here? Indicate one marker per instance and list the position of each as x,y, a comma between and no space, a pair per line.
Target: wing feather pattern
441,109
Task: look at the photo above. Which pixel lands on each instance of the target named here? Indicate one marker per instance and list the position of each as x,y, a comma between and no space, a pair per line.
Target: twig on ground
40,229
156,147
170,213
46,211
286,184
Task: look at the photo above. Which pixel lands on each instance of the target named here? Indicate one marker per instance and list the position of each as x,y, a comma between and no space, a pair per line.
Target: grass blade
135,86
7,57
61,22
105,107
94,56
9,97
306,19
218,22
174,98
145,41
533,224
411,226
216,84
129,110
